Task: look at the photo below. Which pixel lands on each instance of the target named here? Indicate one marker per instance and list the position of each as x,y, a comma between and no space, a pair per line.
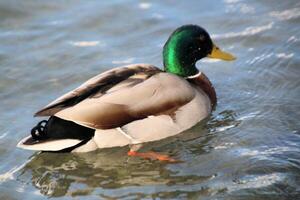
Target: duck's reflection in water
108,170
60,174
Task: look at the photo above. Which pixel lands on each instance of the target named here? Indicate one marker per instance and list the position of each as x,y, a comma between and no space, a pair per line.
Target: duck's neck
175,58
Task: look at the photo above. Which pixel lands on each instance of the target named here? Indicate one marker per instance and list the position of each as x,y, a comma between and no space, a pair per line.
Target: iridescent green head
186,46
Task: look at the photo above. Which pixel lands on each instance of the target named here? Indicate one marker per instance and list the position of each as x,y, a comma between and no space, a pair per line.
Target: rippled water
248,149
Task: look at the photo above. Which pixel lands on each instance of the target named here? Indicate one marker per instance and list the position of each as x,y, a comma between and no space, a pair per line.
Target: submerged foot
153,156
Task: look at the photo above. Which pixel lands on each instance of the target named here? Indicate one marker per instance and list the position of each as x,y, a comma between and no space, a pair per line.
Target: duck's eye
202,37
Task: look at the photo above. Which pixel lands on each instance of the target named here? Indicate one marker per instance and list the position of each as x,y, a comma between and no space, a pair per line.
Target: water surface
249,148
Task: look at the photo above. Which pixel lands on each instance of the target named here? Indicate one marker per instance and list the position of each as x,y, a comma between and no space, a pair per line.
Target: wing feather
95,86
140,91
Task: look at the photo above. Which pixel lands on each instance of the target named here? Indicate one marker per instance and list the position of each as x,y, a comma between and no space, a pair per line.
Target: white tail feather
49,145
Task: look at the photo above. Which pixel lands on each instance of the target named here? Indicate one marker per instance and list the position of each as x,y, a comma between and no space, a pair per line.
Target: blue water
248,149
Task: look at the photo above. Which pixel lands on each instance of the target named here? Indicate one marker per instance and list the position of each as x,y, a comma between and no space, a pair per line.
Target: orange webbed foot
153,156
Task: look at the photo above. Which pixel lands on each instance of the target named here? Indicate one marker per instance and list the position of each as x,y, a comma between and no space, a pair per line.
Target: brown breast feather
204,83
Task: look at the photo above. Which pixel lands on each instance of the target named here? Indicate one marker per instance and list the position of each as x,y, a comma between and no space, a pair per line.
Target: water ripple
249,31
285,55
288,14
256,181
125,61
265,154
3,135
144,5
87,43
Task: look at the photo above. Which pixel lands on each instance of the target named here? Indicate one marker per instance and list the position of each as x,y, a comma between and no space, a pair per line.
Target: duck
134,104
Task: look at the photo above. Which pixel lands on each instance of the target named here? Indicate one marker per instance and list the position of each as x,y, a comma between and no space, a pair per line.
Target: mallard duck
133,104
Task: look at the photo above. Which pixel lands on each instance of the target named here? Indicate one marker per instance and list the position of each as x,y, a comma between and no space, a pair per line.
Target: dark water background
248,149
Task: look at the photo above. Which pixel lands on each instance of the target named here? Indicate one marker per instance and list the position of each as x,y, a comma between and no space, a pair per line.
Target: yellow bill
219,54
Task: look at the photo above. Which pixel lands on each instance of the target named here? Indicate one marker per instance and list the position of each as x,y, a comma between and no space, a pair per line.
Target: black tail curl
39,132
57,128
